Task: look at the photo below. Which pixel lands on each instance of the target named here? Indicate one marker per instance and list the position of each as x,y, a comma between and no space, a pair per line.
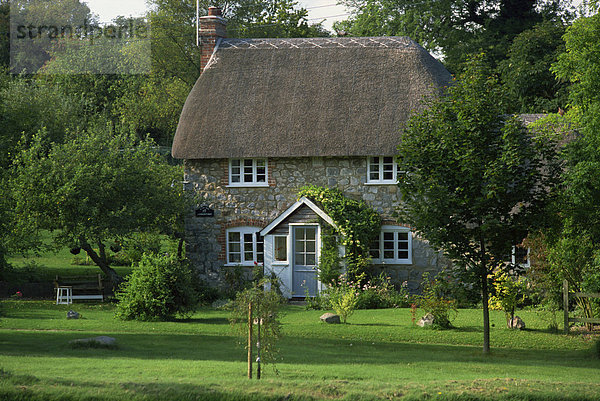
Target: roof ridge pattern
395,42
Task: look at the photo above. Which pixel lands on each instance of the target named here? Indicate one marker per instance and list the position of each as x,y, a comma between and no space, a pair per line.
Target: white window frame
525,265
255,172
394,261
242,244
380,162
287,248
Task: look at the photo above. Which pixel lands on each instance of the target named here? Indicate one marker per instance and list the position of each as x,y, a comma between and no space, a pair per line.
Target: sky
318,10
109,9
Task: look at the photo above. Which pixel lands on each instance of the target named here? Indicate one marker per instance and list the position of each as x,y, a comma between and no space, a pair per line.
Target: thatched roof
306,97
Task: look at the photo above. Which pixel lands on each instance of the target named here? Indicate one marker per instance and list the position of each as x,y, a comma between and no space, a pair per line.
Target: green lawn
378,355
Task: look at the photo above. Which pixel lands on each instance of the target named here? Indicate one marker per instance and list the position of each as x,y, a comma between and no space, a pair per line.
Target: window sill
381,183
391,262
266,185
280,263
241,264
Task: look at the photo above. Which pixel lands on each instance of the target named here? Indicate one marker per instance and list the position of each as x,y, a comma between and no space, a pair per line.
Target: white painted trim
243,230
242,185
303,201
254,183
395,261
381,181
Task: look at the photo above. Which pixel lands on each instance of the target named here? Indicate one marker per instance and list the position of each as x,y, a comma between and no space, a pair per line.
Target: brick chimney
211,28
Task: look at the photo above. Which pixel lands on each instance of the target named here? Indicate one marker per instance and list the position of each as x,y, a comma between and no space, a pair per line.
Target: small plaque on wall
205,211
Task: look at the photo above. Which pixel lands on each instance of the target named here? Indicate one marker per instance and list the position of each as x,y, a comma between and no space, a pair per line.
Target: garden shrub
159,288
380,293
507,291
343,297
432,301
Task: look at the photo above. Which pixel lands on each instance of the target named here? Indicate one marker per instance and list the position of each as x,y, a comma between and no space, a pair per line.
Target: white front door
304,278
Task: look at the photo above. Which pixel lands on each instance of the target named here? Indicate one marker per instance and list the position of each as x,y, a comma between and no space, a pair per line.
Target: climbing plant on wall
357,226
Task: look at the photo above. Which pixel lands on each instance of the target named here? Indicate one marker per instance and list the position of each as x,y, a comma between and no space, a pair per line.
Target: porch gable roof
302,201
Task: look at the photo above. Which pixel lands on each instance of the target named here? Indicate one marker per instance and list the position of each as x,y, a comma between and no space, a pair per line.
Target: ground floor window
394,246
244,246
280,248
520,256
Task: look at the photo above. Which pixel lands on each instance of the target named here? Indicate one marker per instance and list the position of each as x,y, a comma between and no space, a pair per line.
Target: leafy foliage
508,291
473,183
455,28
159,288
357,224
526,74
343,297
434,302
266,305
97,187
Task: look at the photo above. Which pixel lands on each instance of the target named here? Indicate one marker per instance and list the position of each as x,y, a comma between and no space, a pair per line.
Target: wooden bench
71,288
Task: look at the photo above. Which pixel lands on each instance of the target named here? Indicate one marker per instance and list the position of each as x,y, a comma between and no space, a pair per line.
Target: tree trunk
250,321
484,299
102,263
180,248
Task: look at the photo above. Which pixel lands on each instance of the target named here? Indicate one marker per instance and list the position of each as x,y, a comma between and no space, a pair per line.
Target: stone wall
234,206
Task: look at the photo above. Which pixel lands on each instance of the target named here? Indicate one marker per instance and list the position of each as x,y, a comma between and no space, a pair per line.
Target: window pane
388,175
402,236
300,259
235,163
235,258
310,259
260,249
234,237
280,250
300,246
311,233
388,236
403,245
310,246
402,254
388,254
374,249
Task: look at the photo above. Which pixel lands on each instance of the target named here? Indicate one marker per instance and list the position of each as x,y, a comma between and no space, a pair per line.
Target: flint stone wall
247,206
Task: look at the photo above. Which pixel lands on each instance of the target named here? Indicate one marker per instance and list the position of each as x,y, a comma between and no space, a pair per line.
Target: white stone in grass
101,340
426,320
516,323
330,318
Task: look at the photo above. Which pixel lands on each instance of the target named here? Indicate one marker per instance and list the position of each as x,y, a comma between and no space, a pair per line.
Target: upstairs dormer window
248,173
382,170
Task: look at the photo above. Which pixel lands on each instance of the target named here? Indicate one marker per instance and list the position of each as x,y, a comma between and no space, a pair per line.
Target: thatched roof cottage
268,116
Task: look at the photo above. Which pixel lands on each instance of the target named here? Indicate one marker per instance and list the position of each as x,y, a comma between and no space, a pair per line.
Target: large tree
526,74
575,242
97,187
472,182
454,28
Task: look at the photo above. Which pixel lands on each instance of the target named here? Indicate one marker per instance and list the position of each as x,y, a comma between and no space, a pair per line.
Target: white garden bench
72,288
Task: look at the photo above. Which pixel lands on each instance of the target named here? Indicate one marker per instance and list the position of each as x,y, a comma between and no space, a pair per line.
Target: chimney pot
214,11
